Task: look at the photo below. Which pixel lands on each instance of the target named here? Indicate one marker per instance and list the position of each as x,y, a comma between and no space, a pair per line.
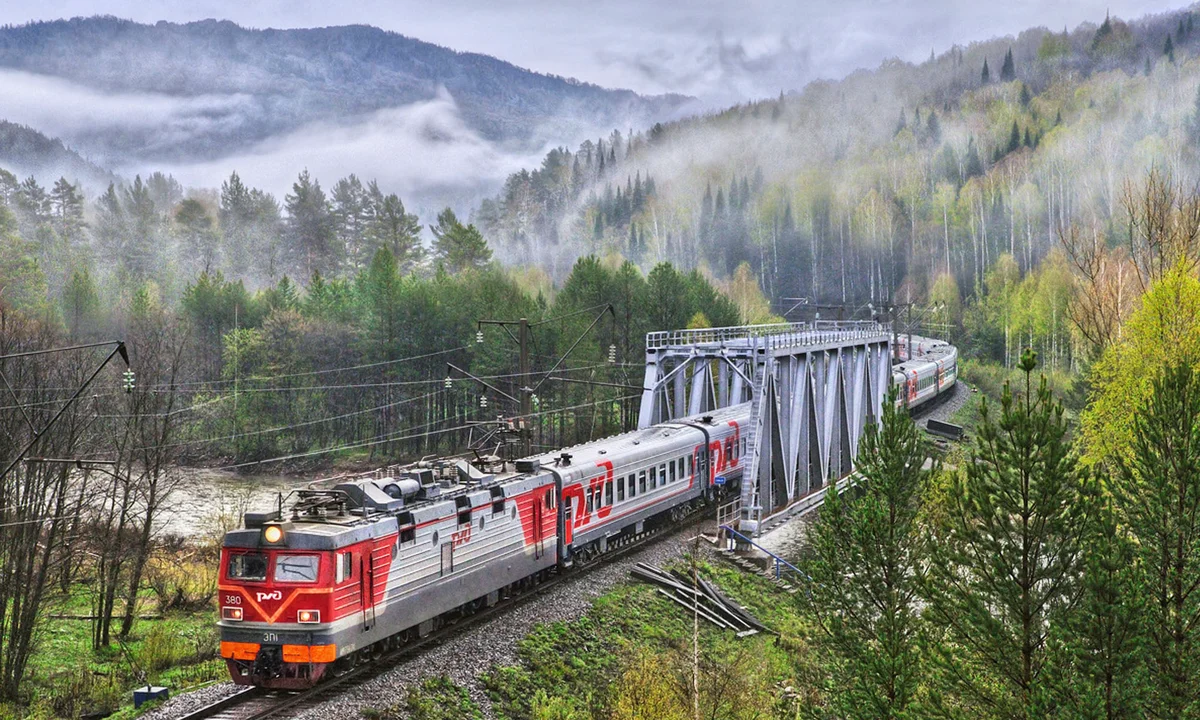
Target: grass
633,637
66,678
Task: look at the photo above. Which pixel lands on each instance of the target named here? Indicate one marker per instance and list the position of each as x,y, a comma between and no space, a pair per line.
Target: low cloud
80,115
425,152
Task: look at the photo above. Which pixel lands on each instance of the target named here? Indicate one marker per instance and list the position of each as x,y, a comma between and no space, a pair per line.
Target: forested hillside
26,150
897,183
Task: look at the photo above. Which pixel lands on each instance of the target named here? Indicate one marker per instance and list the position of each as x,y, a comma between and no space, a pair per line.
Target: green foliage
1005,554
1164,330
867,561
458,247
1159,490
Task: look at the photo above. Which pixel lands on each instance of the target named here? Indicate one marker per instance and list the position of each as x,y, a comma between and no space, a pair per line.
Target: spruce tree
1160,495
1025,95
1004,557
1169,50
933,128
1008,71
1098,668
868,557
985,75
1014,138
974,164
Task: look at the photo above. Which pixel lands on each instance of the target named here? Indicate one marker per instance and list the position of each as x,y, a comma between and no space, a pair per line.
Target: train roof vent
529,465
707,419
258,519
366,495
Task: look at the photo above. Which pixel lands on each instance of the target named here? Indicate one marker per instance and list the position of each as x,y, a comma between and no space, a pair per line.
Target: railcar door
366,580
538,532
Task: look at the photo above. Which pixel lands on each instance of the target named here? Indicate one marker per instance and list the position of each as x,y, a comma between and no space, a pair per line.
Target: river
208,502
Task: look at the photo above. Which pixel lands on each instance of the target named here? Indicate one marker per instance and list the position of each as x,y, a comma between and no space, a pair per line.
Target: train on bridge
358,565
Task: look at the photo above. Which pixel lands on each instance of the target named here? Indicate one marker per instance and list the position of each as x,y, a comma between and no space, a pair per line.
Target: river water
206,502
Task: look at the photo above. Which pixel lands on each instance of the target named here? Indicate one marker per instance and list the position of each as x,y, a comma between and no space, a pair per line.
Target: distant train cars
368,562
930,370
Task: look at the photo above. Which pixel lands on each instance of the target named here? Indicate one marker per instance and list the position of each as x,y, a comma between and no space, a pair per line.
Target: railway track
259,704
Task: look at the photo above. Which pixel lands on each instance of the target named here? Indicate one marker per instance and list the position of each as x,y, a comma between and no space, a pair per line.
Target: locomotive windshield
247,567
296,568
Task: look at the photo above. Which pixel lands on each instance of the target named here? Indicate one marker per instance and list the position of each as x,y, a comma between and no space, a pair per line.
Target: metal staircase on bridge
813,387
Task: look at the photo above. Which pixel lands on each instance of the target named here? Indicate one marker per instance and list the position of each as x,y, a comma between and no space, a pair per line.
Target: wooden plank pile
703,597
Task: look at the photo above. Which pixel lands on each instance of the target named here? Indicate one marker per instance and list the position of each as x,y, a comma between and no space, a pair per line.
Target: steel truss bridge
813,388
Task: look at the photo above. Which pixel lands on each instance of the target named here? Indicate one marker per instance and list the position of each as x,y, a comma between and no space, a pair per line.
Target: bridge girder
813,389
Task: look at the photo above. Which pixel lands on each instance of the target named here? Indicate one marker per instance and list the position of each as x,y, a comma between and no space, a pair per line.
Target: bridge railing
774,335
780,567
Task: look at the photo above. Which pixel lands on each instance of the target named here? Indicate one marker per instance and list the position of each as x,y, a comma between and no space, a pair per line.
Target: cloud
76,112
423,151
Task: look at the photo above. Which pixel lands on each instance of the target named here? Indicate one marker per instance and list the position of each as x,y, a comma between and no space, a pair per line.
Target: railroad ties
701,597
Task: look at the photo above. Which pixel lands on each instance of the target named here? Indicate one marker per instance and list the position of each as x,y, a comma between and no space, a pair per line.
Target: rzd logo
275,595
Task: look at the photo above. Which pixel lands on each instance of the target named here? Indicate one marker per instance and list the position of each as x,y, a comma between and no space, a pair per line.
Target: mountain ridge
256,83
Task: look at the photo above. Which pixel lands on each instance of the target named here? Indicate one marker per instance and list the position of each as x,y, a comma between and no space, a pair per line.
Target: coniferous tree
901,123
1025,96
1008,71
1004,558
933,128
1160,496
1169,50
1097,666
985,76
974,166
868,555
66,203
458,247
312,241
1014,138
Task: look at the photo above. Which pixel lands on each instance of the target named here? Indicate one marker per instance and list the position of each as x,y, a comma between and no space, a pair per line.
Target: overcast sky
718,50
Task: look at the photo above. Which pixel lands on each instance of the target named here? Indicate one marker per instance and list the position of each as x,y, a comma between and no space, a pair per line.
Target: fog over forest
257,251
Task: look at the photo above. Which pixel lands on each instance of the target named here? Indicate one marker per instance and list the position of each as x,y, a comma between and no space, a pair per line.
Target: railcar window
408,534
549,499
682,474
689,460
296,568
632,487
620,489
642,481
662,474
590,506
728,448
672,471
345,567
247,567
608,492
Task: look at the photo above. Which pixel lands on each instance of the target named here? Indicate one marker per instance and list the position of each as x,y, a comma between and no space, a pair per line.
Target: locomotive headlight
273,534
231,613
308,616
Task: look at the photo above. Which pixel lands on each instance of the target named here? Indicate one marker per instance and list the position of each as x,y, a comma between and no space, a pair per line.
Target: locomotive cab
276,604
